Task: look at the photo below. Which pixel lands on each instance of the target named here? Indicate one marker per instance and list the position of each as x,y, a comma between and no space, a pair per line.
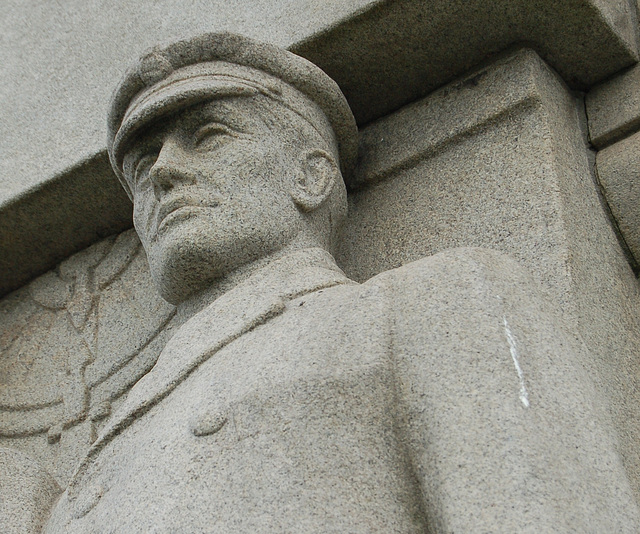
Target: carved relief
74,341
291,398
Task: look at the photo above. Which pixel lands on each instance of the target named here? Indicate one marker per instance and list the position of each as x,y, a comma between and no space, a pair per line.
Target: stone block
61,61
618,170
613,108
499,160
470,165
382,61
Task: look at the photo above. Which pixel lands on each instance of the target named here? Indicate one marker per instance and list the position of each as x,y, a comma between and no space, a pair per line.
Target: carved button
207,424
87,500
54,434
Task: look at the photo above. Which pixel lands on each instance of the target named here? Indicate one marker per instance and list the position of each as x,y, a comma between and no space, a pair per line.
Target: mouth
180,209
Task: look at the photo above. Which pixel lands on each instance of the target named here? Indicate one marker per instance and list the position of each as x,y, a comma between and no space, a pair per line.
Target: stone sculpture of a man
439,397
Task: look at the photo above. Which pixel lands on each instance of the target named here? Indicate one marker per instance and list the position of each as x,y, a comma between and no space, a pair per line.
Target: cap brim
171,98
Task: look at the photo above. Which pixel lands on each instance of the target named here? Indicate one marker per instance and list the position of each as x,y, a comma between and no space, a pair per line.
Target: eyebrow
222,111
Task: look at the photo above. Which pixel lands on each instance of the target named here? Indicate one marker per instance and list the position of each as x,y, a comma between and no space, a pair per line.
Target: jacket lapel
235,313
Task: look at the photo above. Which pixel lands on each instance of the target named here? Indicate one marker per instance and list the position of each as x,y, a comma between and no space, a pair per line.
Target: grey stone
73,343
27,493
499,160
397,61
60,64
147,91
43,226
613,108
60,60
618,167
292,126
328,430
477,162
445,395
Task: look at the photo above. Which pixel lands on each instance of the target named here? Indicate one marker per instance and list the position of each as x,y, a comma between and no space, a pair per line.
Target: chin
190,256
184,265
182,271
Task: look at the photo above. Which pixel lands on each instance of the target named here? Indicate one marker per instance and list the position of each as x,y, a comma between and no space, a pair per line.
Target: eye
141,168
212,135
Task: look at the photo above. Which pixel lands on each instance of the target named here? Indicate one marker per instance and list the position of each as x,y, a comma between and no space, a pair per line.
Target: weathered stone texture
42,227
613,108
379,57
499,160
61,60
72,343
459,168
618,170
27,492
297,397
375,410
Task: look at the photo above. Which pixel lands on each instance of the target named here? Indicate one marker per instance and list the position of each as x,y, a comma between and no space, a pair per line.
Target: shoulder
463,290
455,268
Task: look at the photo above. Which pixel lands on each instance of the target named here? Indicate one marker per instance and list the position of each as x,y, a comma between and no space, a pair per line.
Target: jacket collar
251,303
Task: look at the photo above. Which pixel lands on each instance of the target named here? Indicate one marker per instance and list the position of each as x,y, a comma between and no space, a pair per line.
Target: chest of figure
293,419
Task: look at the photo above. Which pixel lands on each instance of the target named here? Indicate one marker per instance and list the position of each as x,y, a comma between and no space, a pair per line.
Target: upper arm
502,422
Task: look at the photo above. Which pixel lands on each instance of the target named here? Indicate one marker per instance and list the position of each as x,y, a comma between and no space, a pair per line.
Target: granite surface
618,167
28,492
613,108
470,362
471,389
500,159
60,62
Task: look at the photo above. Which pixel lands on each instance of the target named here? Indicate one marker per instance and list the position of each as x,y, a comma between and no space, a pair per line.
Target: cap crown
183,62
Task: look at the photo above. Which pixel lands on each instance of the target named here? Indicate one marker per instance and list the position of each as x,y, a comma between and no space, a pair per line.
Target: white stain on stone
524,395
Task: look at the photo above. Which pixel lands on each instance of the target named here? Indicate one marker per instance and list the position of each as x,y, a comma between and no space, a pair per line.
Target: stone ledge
476,163
447,116
380,61
614,108
45,225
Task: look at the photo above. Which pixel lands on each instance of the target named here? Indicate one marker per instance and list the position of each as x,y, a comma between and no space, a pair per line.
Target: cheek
141,219
245,165
267,177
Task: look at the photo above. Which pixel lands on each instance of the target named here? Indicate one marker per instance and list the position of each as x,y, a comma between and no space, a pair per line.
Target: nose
168,170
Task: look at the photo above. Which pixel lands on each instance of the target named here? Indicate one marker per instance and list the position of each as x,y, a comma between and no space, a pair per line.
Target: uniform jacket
443,395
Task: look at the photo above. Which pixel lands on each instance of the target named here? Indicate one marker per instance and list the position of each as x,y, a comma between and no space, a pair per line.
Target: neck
201,299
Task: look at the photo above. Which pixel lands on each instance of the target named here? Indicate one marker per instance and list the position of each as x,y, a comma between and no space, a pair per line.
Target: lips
182,204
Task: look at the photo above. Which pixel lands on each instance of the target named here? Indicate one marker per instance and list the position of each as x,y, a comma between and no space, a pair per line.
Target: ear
316,178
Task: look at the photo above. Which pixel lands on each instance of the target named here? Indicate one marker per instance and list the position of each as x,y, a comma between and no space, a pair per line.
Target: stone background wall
61,61
510,126
71,343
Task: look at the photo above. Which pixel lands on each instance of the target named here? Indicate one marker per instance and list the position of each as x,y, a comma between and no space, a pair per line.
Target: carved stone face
211,191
